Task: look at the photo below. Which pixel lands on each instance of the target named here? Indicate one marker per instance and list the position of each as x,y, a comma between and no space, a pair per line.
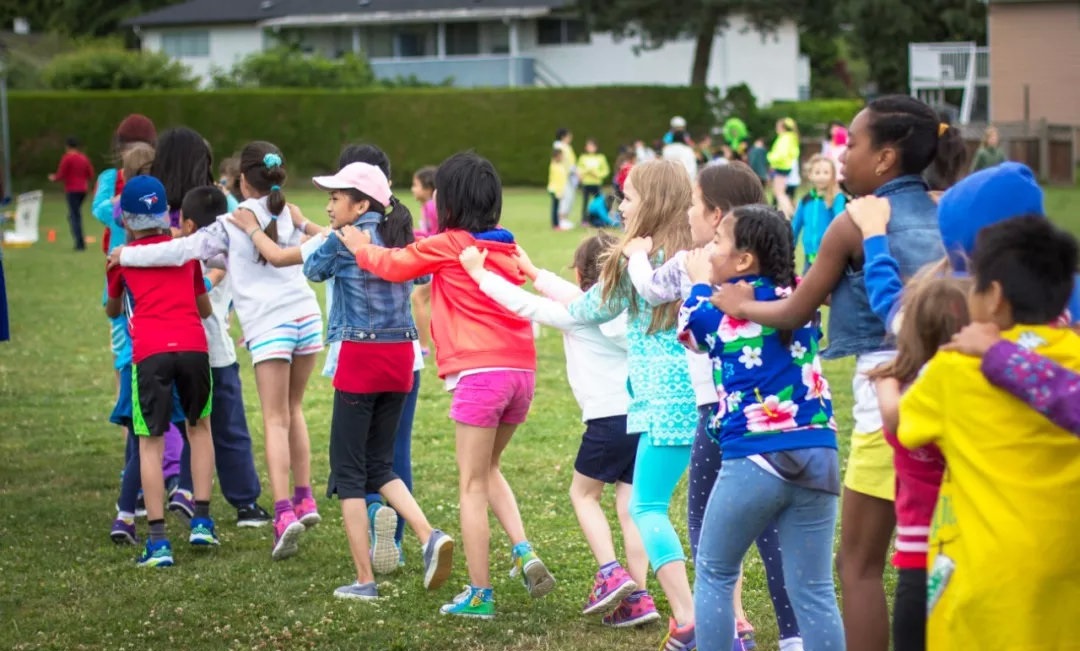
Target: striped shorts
300,337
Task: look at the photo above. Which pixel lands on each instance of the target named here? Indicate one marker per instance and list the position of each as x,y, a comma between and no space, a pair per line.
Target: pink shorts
493,398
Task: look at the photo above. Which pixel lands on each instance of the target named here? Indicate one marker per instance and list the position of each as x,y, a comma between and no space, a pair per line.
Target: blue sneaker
157,554
385,556
534,574
438,560
202,533
358,591
473,602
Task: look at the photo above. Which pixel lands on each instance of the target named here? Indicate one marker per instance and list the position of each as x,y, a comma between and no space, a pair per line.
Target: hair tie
275,188
942,128
271,161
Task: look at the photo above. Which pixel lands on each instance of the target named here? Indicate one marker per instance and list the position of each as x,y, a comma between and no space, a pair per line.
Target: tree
882,29
655,22
77,17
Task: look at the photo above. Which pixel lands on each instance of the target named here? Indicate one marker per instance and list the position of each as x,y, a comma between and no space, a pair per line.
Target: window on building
462,38
418,41
560,31
380,43
186,44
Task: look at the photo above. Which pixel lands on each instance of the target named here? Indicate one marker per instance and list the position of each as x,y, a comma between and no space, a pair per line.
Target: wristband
209,285
303,226
252,232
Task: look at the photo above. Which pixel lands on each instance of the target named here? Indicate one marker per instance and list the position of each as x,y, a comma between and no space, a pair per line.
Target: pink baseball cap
358,176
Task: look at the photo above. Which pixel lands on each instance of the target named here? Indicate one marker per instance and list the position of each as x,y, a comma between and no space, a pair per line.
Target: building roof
284,12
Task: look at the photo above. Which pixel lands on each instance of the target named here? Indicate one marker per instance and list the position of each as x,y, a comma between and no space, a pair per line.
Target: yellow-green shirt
593,169
1004,561
557,179
784,154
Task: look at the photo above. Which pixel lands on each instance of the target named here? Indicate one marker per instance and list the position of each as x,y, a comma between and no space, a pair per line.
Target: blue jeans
657,470
232,440
745,500
403,450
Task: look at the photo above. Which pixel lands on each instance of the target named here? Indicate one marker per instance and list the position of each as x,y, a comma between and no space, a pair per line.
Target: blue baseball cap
144,204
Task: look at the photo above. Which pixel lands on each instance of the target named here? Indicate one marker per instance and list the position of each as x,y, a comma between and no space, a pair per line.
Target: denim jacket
365,308
915,241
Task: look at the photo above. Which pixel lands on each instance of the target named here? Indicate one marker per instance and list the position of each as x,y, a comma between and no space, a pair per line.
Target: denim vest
365,308
914,240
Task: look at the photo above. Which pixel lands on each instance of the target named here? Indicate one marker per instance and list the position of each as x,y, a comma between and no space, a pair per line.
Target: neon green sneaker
534,574
472,602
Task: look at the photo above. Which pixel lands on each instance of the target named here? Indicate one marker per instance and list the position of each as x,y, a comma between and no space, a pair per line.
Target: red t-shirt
164,317
375,368
75,171
919,473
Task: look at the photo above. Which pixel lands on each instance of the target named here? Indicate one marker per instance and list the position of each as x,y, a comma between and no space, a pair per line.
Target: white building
474,42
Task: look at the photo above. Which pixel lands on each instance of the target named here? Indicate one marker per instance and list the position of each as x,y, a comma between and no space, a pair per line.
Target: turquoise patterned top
662,403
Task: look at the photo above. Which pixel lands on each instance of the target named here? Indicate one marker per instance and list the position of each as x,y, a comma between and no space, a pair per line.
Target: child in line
558,180
1007,499
183,162
486,355
595,362
229,181
662,410
423,190
168,349
891,142
281,324
758,160
783,158
374,373
563,139
594,169
818,207
775,427
935,308
233,457
717,192
989,152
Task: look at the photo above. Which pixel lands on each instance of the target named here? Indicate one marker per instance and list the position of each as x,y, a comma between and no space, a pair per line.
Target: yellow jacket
557,176
784,154
593,169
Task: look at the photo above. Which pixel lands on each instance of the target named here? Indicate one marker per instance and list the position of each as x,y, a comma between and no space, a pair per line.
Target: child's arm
882,273
797,221
102,205
321,263
202,295
698,319
888,394
114,288
923,406
659,286
530,306
270,250
200,245
591,309
604,170
214,277
398,265
1047,387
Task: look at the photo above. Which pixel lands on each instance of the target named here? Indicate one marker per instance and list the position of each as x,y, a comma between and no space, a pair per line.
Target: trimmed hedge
514,128
813,115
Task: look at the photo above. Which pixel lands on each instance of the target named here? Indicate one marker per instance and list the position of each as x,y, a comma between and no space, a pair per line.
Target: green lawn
66,586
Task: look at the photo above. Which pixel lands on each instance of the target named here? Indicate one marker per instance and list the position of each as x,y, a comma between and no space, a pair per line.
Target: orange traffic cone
52,235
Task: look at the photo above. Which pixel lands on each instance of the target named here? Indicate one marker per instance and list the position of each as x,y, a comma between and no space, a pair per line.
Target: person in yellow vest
1003,570
557,182
594,169
563,139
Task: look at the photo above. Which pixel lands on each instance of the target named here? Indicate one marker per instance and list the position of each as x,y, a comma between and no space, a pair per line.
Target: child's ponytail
262,167
396,229
950,162
924,143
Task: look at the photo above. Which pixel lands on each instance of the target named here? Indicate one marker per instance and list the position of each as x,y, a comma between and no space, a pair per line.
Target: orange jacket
469,329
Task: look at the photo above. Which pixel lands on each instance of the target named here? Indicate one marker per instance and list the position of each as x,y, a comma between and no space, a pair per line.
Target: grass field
66,586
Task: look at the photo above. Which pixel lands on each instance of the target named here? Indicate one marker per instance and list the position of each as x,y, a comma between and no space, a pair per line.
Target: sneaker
608,592
157,554
534,574
633,611
382,525
123,532
746,641
202,533
140,506
252,515
358,591
307,512
679,639
181,503
287,531
438,560
473,602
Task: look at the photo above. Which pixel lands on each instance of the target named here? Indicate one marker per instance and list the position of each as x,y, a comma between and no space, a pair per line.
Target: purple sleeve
1049,388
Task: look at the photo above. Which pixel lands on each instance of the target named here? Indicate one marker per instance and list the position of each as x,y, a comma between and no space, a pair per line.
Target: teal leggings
657,470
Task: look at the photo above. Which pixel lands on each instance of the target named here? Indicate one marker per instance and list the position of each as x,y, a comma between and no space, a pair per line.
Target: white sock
791,644
125,516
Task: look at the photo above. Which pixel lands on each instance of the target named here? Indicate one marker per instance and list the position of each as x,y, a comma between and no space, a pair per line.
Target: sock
281,507
126,516
171,484
301,493
487,594
608,568
791,644
202,509
157,530
637,594
522,548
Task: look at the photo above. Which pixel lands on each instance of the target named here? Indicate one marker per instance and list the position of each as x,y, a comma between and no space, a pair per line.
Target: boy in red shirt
165,308
75,172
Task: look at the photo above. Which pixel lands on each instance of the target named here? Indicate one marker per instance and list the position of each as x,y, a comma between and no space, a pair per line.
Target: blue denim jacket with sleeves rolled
365,308
915,241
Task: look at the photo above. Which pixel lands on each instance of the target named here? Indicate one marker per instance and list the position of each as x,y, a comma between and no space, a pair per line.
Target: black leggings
909,611
587,193
75,202
554,210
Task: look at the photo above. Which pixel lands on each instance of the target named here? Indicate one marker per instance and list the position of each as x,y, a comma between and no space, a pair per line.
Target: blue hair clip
271,161
275,188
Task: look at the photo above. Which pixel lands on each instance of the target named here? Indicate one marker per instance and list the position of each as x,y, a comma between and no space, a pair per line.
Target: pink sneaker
287,531
307,512
633,611
608,593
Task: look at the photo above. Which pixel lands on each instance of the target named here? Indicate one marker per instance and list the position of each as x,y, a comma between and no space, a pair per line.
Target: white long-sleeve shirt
595,355
264,296
670,282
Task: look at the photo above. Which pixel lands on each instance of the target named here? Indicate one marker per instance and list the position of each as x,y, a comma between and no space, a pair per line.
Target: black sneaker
252,515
